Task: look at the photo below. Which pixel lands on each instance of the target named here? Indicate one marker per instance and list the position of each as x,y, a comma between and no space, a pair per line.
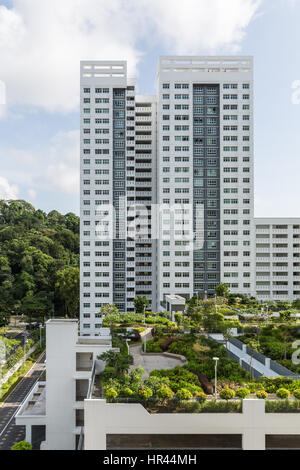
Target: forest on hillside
39,262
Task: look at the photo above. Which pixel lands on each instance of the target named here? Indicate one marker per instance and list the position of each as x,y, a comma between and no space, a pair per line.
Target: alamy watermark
177,222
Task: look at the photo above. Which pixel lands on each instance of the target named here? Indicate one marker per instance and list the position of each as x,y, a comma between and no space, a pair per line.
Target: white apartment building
167,203
118,187
277,258
205,169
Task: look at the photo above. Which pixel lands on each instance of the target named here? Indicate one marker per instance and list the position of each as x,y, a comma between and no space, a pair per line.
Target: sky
42,43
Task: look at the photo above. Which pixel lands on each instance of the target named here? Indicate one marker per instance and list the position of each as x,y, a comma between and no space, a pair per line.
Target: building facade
277,270
167,189
205,174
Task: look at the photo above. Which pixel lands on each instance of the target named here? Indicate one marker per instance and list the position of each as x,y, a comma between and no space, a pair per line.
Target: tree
118,362
141,303
109,309
285,315
67,285
213,322
35,246
222,290
4,315
37,306
296,304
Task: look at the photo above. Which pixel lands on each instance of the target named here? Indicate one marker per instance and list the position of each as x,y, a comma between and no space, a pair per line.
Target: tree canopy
39,255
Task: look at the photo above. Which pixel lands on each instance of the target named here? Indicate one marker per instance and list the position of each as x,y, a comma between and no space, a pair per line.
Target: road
9,432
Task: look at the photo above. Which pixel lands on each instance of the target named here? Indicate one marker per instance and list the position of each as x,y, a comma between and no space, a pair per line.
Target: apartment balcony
84,362
280,231
143,109
143,250
262,268
143,137
143,146
143,128
143,118
130,133
130,285
263,278
139,164
82,387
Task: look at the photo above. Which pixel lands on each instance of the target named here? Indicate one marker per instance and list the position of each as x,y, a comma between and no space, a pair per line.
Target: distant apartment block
277,258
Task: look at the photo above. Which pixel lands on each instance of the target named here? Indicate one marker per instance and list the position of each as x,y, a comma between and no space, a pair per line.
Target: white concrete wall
102,418
61,338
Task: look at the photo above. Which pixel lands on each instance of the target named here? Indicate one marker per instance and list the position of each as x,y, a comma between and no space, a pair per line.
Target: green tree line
39,262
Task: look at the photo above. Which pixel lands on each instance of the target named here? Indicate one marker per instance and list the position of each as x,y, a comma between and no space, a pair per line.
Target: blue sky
41,44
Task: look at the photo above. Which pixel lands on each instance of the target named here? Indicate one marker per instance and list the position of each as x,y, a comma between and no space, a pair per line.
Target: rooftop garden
275,342
190,387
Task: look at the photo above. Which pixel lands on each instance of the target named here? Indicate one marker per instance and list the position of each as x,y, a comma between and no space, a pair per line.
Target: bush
242,392
227,393
110,393
283,406
184,394
165,392
145,393
283,393
201,396
22,445
127,392
262,394
296,393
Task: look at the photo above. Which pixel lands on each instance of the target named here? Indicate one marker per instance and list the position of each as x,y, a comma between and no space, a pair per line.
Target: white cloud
62,172
201,26
42,42
8,191
32,194
53,167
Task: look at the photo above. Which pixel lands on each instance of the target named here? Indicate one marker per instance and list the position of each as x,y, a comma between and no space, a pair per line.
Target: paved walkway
151,362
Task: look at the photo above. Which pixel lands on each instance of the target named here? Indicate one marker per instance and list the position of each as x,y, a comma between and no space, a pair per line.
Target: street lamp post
40,336
216,379
24,346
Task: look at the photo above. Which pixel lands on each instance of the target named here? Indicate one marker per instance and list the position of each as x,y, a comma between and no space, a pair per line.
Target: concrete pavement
9,432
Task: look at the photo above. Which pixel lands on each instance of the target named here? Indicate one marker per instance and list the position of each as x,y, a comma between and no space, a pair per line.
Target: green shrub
165,392
22,445
110,393
283,393
127,392
145,393
242,392
296,393
283,406
227,393
201,396
262,394
184,394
